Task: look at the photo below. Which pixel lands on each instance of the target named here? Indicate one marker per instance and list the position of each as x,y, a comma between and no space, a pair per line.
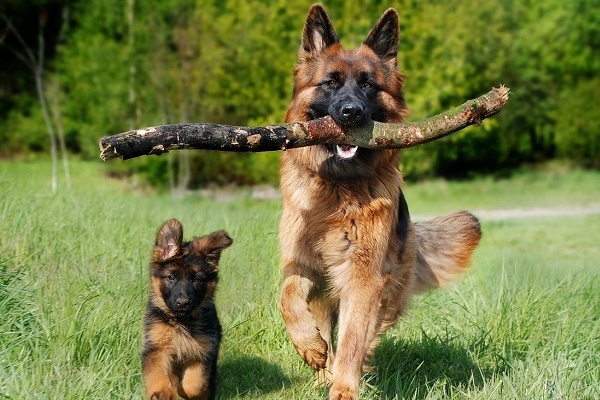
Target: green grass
524,324
552,186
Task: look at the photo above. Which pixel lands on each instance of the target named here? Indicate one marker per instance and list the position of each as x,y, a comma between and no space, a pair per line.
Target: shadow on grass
244,375
412,370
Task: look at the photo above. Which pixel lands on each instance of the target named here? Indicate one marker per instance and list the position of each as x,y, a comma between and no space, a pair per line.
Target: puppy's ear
318,33
168,241
384,37
211,246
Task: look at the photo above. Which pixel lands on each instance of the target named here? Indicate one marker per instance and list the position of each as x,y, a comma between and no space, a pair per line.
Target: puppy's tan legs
156,374
194,383
299,321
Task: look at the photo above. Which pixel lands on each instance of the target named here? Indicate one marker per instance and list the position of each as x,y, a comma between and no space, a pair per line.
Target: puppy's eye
196,279
170,278
367,85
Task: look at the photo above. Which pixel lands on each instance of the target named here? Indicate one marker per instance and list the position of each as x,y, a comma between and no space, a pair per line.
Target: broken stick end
503,92
107,152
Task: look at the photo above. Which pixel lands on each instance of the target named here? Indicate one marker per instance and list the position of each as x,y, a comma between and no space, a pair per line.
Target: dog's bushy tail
444,248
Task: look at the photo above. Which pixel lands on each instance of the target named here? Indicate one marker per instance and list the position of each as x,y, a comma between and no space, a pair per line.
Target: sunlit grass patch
523,324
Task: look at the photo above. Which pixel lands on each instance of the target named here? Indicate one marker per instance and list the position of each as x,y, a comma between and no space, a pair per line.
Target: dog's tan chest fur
176,340
328,224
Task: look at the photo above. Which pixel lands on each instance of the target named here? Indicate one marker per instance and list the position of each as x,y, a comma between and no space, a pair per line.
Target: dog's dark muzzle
350,114
183,298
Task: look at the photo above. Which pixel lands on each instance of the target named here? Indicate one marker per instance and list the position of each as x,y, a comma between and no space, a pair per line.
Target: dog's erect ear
318,33
211,246
383,38
168,241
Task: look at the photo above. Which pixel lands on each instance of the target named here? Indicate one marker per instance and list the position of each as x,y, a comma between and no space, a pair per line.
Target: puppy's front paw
163,395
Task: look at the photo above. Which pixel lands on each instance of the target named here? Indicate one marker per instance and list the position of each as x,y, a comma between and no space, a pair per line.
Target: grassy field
524,324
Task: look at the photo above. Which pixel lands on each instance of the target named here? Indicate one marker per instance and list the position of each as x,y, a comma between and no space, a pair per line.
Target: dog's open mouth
345,151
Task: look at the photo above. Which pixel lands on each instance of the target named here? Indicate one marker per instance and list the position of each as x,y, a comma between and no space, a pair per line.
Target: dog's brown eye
331,82
171,278
196,279
367,85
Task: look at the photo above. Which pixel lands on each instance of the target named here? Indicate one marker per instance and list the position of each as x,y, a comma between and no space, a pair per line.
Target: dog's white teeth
346,150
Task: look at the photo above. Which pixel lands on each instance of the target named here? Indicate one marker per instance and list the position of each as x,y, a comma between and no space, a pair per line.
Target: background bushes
113,65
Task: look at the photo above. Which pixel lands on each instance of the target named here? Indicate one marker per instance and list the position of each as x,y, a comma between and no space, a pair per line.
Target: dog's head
184,274
352,86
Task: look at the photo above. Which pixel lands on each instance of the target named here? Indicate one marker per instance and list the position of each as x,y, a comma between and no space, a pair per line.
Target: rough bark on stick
376,135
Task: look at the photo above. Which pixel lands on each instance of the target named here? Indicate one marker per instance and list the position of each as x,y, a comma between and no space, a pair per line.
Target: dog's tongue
346,150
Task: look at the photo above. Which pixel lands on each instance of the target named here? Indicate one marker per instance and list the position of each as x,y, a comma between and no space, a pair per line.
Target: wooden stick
376,135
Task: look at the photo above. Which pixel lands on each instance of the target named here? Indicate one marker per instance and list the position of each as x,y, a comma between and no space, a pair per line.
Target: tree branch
377,135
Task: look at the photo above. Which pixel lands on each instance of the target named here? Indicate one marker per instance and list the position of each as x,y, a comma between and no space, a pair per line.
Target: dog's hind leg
299,321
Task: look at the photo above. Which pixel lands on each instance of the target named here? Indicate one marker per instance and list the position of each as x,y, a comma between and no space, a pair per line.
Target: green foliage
231,61
541,50
578,123
245,169
32,123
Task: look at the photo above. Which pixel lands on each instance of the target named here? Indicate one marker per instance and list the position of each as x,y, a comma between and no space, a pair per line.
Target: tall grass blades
523,324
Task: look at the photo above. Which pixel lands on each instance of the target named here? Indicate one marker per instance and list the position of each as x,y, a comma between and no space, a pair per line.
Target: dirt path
533,212
264,192
539,212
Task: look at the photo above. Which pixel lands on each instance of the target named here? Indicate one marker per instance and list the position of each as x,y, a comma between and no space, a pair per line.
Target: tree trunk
36,65
54,106
38,71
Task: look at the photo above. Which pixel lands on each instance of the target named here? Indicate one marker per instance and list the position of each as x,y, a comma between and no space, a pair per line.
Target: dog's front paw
342,393
314,353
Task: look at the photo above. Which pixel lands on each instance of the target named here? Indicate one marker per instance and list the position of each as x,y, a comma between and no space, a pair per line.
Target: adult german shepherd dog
351,256
181,329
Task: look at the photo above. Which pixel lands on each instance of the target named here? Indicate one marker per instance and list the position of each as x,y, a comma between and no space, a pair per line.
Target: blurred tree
450,52
93,70
454,51
15,80
141,63
554,54
578,123
33,57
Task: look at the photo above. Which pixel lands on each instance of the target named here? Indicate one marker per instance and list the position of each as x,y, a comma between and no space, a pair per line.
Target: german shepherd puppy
181,329
351,256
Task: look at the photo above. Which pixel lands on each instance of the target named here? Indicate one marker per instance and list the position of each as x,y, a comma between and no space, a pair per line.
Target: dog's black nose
182,303
352,113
